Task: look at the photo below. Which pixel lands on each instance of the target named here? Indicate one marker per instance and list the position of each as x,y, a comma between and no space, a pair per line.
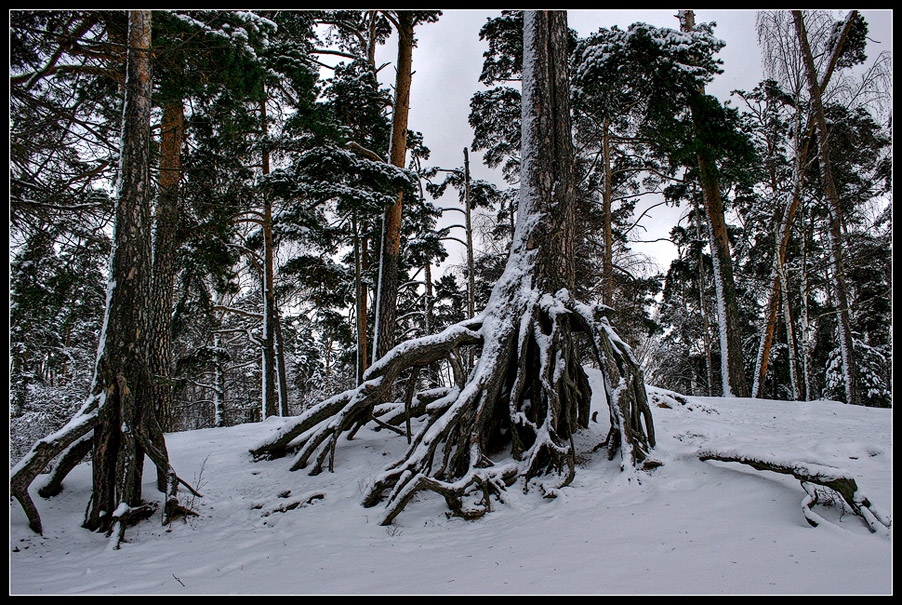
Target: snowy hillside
687,527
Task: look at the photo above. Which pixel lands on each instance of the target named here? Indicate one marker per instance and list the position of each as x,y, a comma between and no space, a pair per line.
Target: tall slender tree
387,292
732,365
838,272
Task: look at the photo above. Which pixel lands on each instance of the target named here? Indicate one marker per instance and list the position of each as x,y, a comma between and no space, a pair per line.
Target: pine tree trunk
807,335
387,298
275,384
121,371
165,225
360,296
703,307
471,269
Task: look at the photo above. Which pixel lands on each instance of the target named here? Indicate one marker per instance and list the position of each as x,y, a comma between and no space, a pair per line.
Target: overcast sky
448,59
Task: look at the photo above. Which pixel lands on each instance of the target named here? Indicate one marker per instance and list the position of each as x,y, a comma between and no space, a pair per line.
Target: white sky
448,59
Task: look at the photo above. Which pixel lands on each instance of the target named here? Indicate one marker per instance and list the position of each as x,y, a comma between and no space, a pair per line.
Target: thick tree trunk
165,225
513,417
840,291
159,341
387,297
127,426
275,383
120,407
121,371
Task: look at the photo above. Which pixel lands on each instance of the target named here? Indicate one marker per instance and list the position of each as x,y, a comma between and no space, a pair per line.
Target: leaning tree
513,417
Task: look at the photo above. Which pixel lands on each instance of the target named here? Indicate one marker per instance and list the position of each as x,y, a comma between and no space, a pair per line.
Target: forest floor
688,527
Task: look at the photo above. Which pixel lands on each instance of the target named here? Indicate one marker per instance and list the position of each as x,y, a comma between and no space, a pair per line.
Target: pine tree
119,410
528,391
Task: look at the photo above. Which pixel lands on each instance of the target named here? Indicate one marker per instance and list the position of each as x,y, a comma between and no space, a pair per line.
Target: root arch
513,418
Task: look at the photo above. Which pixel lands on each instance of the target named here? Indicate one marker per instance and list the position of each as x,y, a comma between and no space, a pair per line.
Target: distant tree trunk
471,268
807,337
779,282
218,384
360,295
732,366
275,384
803,137
387,293
281,370
706,327
607,263
840,292
788,324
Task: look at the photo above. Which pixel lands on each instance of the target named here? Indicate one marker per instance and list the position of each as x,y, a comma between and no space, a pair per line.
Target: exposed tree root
810,476
525,397
71,444
44,451
125,517
513,417
68,460
290,503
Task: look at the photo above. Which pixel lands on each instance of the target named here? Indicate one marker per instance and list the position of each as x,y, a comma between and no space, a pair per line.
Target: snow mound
688,527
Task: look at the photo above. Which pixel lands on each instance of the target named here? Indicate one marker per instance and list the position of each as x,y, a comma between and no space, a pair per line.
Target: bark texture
120,408
164,248
387,301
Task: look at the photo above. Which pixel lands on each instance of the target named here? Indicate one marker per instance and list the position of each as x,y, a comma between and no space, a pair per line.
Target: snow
687,527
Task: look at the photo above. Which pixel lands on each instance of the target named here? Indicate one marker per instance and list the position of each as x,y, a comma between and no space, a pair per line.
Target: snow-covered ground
687,527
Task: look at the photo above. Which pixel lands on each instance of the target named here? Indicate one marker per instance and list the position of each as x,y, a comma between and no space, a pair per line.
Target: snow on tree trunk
732,366
120,407
514,416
